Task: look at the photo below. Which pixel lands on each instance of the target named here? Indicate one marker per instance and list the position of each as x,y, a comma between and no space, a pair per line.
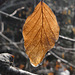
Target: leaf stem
41,0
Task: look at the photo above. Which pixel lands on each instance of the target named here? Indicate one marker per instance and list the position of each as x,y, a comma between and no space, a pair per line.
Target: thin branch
6,69
22,40
14,4
9,70
9,40
2,26
67,38
7,47
9,50
19,71
63,48
18,43
65,61
17,11
20,19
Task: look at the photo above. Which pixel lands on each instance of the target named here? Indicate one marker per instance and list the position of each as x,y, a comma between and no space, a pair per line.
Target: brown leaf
40,33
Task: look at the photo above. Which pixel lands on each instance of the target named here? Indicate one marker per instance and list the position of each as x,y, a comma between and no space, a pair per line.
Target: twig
11,43
7,47
62,59
14,4
9,70
6,69
63,48
21,40
9,40
17,11
20,19
9,50
66,38
2,26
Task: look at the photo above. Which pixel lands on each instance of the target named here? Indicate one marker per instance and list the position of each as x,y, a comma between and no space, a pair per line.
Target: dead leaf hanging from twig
40,33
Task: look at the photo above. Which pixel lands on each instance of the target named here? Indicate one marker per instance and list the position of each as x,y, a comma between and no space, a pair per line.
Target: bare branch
9,40
63,48
19,71
17,11
20,19
6,69
2,26
18,43
14,4
65,61
67,38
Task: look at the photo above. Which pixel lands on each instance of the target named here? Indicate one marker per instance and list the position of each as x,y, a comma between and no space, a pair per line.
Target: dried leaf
40,33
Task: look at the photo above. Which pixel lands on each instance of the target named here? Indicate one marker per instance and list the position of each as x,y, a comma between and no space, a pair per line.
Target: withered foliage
40,33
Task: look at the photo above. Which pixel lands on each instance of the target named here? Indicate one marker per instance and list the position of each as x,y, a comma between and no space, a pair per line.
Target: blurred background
13,14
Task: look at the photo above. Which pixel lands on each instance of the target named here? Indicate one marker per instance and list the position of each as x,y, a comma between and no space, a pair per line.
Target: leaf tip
34,65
